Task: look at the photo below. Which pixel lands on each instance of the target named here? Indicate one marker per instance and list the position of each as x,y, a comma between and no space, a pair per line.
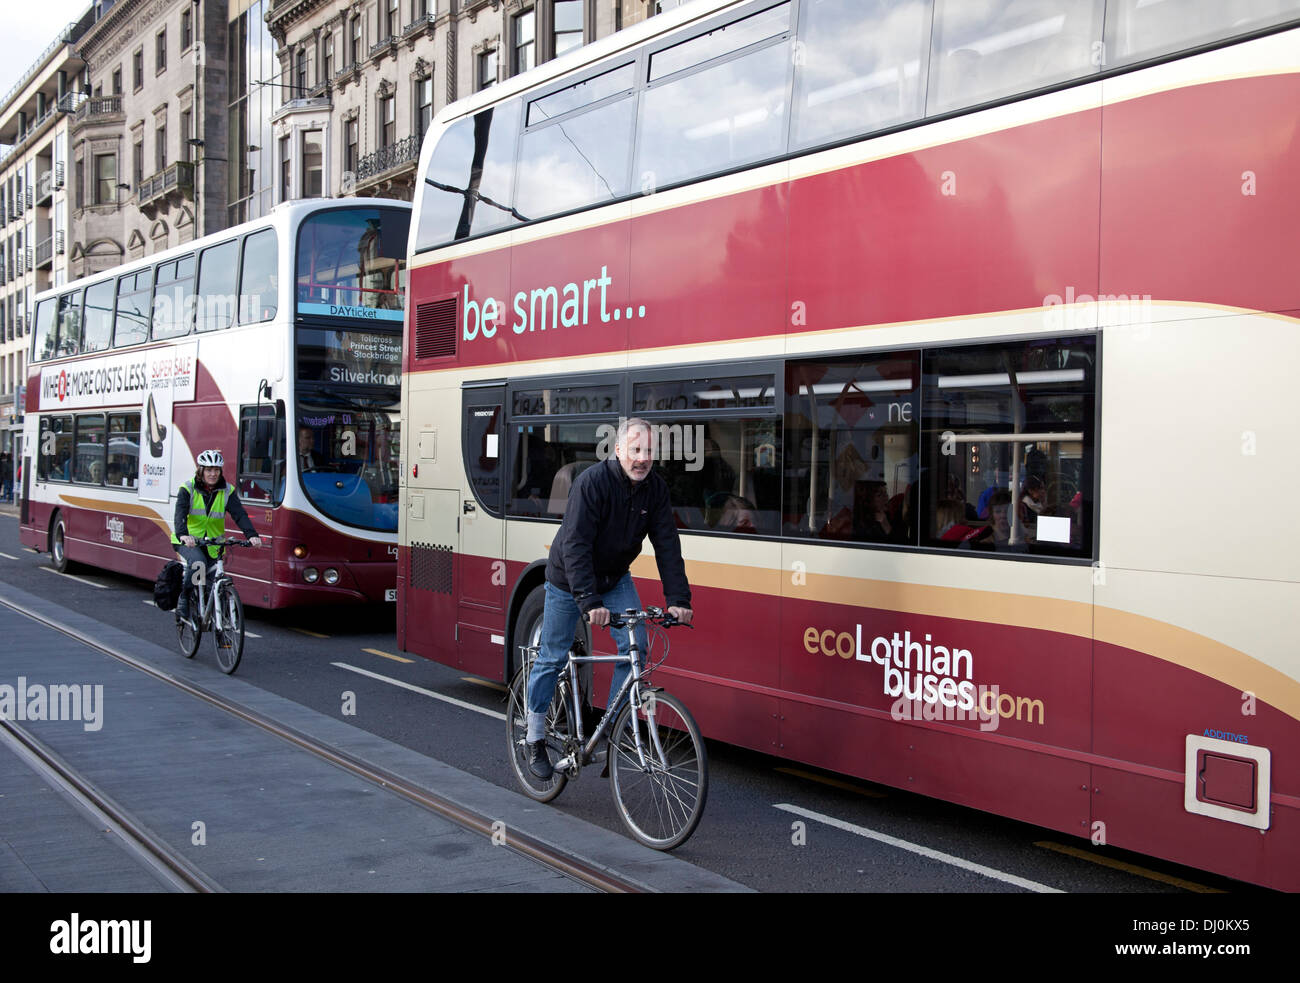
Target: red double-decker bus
965,332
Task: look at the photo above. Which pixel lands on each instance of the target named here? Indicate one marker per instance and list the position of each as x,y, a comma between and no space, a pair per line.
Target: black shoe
539,762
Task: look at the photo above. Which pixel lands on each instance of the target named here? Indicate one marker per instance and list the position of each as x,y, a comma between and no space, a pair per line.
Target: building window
286,169
137,69
117,81
487,68
137,160
392,22
313,164
423,106
301,74
327,58
387,121
419,9
525,31
160,145
79,184
351,148
187,29
105,179
568,26
355,52
186,118
160,52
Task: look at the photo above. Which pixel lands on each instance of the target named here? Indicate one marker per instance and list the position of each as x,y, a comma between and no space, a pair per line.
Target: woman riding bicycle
201,507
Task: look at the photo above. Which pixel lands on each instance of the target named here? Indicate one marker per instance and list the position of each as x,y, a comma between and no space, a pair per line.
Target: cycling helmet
211,459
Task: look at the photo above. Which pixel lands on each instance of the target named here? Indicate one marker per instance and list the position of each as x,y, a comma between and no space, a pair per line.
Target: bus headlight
311,575
331,576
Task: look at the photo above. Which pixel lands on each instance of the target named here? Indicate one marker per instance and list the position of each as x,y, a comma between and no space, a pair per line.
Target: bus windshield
352,264
346,451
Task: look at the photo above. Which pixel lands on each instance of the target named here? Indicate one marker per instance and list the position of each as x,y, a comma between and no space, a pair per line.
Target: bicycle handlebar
632,617
206,541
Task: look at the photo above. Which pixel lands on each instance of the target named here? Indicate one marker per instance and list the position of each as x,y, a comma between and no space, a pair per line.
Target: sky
28,28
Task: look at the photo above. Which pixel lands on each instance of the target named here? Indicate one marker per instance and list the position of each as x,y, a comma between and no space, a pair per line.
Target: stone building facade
363,79
149,150
36,118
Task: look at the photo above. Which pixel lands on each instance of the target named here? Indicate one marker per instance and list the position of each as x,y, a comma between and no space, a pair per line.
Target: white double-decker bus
277,341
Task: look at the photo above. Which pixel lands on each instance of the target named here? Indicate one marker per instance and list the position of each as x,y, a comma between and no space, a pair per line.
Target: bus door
480,613
429,526
259,481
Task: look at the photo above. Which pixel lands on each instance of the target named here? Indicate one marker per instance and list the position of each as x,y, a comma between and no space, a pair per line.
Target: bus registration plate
390,594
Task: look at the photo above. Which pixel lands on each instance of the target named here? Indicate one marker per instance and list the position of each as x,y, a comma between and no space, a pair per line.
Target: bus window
131,323
687,128
218,267
173,301
467,189
55,461
70,323
851,430
981,52
123,450
350,262
259,290
864,67
578,161
46,333
88,462
1137,29
97,333
258,463
546,459
1008,441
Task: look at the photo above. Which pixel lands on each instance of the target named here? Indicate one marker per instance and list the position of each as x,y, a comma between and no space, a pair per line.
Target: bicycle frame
209,612
631,688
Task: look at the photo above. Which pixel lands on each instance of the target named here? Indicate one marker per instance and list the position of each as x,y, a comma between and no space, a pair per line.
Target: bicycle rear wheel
662,800
557,737
229,638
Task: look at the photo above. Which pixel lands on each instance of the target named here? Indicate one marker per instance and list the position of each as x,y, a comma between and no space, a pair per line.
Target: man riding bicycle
201,507
612,507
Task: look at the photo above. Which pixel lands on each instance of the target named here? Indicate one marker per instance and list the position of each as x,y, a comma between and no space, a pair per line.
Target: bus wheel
528,628
59,544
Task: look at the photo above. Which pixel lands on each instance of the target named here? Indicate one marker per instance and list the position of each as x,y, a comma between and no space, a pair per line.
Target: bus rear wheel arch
58,543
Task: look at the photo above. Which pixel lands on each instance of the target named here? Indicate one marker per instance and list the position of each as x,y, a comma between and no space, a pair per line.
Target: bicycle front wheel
659,793
557,731
229,638
190,634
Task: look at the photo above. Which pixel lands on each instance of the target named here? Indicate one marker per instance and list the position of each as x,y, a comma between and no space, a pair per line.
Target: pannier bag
167,588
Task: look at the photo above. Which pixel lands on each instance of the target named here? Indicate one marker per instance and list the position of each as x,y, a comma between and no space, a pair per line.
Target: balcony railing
384,46
178,177
45,252
58,174
99,109
58,242
424,20
386,158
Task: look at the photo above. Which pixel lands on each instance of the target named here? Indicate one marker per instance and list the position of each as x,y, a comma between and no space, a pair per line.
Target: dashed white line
425,692
923,851
8,557
88,583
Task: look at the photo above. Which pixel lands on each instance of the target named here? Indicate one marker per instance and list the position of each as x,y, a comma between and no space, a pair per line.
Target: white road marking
88,583
426,692
924,851
8,557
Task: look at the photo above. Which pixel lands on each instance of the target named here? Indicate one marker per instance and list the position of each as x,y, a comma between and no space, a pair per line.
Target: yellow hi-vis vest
201,523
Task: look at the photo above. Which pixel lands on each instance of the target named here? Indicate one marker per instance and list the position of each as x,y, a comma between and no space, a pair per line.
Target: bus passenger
201,507
612,507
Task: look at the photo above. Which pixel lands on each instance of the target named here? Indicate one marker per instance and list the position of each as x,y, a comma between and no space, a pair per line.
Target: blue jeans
559,622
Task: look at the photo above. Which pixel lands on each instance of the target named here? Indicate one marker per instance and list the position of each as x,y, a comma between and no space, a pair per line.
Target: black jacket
605,522
234,508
